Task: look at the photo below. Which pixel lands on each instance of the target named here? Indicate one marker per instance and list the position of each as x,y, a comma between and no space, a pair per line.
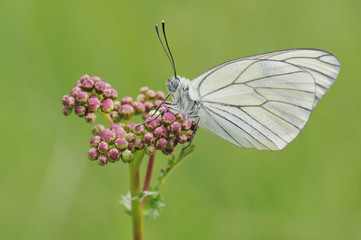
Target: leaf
126,201
153,205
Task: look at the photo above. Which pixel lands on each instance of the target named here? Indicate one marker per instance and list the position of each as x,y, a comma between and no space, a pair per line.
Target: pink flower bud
93,153
182,138
80,111
115,116
100,87
102,160
84,77
150,94
97,129
116,105
130,137
141,98
95,79
180,117
113,155
148,106
138,107
168,151
63,99
126,111
66,111
90,117
93,104
107,105
127,156
113,93
75,91
138,144
70,102
107,135
130,126
94,142
160,95
161,131
160,143
152,124
157,102
114,127
88,85
171,142
103,147
149,138
150,150
144,89
121,143
120,132
139,130
93,96
131,146
168,119
82,98
127,100
175,128
186,125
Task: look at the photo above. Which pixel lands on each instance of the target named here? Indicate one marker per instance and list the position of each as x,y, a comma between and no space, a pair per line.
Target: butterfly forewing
263,101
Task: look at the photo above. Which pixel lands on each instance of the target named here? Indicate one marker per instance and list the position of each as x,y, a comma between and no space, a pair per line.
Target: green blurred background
49,190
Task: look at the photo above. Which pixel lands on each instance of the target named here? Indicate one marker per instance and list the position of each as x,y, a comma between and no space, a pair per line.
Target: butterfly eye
175,83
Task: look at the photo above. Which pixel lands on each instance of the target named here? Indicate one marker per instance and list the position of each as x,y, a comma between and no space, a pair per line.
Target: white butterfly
262,101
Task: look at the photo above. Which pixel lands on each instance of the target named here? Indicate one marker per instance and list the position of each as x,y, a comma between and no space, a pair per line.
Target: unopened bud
168,151
149,138
182,138
88,85
75,91
120,133
160,143
150,94
94,142
113,155
80,111
93,153
97,129
152,122
116,105
186,125
139,130
107,105
107,135
126,111
180,117
175,128
115,116
150,150
70,102
82,98
102,160
141,98
66,111
148,106
90,117
95,79
121,143
138,144
103,147
171,142
100,87
93,104
63,99
161,131
168,119
127,156
130,137
144,89
138,107
84,77
160,95
127,100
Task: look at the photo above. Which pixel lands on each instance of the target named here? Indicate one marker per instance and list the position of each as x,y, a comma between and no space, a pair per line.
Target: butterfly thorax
179,88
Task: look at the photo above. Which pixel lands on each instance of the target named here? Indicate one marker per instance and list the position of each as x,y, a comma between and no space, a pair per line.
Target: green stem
137,211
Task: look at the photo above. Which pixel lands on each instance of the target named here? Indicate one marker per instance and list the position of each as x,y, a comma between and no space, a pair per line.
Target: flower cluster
89,95
161,130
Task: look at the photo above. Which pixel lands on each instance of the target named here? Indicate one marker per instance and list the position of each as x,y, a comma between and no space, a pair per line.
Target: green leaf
153,205
126,201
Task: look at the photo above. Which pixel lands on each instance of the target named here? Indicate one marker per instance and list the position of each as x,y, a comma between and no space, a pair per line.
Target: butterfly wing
264,101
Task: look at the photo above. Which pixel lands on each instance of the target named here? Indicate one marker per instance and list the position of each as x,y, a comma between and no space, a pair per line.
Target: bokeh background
49,190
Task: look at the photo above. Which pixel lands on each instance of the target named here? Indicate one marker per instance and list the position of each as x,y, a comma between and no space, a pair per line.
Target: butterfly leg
194,131
168,107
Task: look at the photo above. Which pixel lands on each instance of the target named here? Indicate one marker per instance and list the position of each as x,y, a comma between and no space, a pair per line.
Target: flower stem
148,176
137,211
107,117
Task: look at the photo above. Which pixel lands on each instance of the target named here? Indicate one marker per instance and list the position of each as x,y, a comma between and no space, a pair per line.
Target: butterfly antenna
170,53
170,57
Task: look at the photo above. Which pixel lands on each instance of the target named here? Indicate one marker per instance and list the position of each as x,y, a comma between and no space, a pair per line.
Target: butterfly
261,101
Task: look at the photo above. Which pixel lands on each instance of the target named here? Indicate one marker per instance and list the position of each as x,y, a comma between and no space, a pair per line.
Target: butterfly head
172,84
